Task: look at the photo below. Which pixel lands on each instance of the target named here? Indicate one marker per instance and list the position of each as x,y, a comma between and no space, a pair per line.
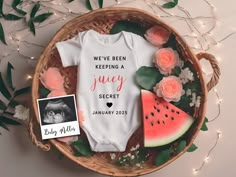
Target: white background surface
19,158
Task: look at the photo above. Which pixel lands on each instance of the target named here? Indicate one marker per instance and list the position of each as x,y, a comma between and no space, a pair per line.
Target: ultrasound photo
58,111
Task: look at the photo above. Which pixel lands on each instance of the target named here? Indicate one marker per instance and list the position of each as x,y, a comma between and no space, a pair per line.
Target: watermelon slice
163,122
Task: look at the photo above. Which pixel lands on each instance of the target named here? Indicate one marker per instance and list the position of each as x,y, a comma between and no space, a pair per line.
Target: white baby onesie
107,93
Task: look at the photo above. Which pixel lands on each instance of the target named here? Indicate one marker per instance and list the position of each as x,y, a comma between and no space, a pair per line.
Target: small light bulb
28,77
70,10
219,101
18,49
206,159
31,58
195,172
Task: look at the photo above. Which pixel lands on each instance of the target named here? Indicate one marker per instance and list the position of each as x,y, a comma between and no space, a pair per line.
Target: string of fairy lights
200,30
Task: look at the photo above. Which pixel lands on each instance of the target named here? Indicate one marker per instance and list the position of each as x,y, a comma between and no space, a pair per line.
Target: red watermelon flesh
163,122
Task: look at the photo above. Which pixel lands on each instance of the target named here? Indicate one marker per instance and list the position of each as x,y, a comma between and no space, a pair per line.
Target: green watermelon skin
163,122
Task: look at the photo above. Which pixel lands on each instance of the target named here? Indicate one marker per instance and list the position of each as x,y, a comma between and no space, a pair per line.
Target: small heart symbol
109,104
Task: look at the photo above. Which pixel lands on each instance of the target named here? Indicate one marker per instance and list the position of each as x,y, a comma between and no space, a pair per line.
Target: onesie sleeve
70,50
143,50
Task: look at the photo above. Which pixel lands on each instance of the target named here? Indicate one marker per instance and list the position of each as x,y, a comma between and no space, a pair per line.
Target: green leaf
3,88
8,121
2,105
11,17
44,92
70,1
180,147
88,5
142,155
100,3
34,9
169,5
1,5
192,148
4,126
162,157
9,75
124,25
204,126
14,5
31,25
176,71
82,146
147,77
13,104
42,17
176,1
22,91
19,11
2,35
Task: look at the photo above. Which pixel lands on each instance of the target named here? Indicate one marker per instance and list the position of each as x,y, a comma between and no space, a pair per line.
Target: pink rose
169,88
55,93
68,139
166,59
157,35
52,79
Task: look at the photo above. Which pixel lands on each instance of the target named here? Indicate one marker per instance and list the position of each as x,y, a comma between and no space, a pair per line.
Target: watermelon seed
154,107
163,122
177,112
172,110
172,118
166,115
158,110
167,107
155,99
151,123
158,122
152,113
146,117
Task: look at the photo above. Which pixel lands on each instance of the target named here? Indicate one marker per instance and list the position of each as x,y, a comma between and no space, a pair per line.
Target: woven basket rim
119,10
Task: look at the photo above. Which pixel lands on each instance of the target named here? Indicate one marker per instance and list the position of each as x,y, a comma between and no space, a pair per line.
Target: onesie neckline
116,37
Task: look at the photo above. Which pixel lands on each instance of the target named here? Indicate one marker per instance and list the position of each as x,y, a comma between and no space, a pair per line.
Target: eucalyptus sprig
7,89
170,4
37,19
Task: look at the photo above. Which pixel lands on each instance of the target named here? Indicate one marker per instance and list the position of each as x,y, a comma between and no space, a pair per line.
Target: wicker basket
102,20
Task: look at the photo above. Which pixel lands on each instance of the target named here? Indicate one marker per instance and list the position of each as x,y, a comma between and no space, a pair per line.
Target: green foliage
170,5
100,3
70,1
9,75
41,18
36,19
2,34
22,91
162,157
147,77
34,10
180,147
43,92
8,121
82,147
124,25
14,5
204,125
3,88
88,5
192,148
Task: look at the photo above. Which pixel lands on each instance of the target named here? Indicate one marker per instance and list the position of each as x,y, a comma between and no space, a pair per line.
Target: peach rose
169,88
157,35
68,139
166,59
55,93
52,79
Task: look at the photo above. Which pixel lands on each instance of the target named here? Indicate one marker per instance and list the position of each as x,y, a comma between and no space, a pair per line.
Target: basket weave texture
102,21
